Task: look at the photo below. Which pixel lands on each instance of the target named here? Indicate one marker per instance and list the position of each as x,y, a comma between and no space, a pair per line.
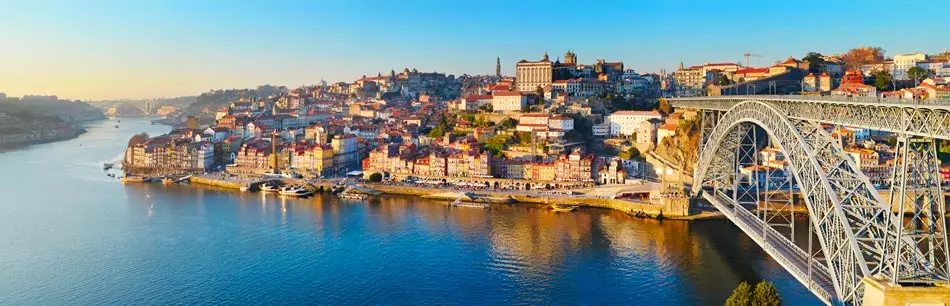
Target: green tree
509,123
815,62
917,73
375,177
723,80
883,79
437,132
524,137
765,295
742,296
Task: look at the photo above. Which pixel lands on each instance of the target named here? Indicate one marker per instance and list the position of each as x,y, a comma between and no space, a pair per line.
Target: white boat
295,191
245,188
352,196
269,188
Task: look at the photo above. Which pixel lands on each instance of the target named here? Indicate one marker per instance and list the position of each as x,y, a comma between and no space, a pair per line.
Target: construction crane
747,55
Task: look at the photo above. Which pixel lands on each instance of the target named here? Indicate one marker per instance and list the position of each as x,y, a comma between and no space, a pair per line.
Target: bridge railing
761,232
854,99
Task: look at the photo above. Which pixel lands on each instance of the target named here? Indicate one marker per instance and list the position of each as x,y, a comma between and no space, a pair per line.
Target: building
625,123
346,151
509,101
664,131
531,75
903,62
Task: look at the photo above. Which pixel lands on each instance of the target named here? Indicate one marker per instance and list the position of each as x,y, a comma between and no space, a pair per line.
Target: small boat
269,188
168,180
563,208
458,203
245,188
295,191
107,166
133,179
352,196
116,126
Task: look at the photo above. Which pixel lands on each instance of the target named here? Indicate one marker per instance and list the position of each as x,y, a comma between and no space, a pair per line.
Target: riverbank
634,208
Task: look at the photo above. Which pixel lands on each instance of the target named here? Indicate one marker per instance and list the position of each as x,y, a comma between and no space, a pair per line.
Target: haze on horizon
124,49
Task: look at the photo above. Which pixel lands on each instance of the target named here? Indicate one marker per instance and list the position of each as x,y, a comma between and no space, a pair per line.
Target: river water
71,235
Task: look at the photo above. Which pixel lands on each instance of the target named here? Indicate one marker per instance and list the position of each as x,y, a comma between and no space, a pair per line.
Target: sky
149,49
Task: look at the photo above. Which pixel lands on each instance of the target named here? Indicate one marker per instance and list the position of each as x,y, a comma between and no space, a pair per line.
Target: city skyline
117,50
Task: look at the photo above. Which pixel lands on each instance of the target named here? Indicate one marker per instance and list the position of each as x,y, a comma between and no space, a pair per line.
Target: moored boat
132,179
352,196
269,188
458,203
295,191
168,180
563,208
245,188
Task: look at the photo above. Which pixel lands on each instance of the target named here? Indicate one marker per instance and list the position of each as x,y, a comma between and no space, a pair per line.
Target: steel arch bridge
852,231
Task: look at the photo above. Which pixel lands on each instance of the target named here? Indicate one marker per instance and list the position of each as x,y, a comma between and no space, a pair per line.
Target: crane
747,55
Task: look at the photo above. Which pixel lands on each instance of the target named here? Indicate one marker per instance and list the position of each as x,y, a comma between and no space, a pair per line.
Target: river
71,235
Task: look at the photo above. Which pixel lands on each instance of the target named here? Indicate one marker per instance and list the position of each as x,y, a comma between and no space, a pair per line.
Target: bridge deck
791,257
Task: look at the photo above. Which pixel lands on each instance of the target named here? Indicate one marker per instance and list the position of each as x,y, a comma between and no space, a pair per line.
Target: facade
903,62
531,75
625,123
509,101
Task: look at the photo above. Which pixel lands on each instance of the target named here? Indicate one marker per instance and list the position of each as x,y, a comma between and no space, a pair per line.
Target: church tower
498,67
570,58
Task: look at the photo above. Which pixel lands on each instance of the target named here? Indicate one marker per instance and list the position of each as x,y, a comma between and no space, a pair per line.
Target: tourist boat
352,196
295,191
563,208
269,188
133,179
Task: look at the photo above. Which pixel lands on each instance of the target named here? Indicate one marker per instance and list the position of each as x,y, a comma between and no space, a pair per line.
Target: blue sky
133,49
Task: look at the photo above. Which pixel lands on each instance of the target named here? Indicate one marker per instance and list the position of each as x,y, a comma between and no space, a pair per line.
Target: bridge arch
850,220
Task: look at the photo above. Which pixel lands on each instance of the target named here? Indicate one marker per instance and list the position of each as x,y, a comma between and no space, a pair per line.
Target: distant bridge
857,234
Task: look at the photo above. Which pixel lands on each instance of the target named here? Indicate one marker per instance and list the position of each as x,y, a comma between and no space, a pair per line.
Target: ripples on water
68,234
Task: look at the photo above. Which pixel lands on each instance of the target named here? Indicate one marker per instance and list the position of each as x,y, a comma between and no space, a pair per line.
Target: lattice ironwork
855,229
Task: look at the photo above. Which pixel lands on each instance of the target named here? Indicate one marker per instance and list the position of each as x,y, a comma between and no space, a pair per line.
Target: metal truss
915,191
904,117
854,228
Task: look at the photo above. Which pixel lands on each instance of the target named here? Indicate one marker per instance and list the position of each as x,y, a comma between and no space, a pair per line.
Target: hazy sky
134,49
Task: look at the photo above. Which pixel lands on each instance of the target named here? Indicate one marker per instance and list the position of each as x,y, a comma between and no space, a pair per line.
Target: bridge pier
882,292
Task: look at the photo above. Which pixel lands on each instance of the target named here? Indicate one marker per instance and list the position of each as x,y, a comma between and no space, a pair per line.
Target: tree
883,79
766,295
742,296
857,57
375,177
723,80
540,92
437,132
917,73
509,123
815,62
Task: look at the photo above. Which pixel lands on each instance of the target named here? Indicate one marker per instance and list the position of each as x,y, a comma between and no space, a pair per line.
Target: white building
903,62
509,101
625,123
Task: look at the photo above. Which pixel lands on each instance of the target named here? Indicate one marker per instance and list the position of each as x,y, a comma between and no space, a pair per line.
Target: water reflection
527,253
